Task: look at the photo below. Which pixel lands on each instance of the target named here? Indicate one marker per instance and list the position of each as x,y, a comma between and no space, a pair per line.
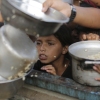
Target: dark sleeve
1,24
84,4
38,65
68,72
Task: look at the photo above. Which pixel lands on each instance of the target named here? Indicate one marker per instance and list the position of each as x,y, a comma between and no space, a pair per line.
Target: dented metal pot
17,52
82,64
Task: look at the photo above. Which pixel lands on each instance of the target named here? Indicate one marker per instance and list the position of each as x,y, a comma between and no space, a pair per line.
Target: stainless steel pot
27,15
82,65
8,88
17,52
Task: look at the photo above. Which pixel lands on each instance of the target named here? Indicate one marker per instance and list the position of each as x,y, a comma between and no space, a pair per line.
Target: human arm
88,17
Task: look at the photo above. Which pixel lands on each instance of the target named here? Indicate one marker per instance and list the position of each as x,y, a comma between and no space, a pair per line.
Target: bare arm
88,17
1,19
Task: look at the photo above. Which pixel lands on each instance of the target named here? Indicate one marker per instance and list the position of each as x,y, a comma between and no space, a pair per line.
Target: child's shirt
67,73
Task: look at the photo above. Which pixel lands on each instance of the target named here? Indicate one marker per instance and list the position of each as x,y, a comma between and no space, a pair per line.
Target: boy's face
49,48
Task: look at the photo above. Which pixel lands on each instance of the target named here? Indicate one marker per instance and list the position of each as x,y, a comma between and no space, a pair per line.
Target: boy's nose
42,48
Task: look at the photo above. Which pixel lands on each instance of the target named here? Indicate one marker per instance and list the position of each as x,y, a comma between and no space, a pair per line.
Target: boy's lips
42,57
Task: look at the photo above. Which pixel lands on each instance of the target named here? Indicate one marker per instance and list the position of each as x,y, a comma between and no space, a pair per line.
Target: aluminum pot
27,15
8,88
83,58
17,52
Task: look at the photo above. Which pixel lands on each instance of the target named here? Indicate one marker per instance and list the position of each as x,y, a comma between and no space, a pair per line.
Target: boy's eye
38,43
50,43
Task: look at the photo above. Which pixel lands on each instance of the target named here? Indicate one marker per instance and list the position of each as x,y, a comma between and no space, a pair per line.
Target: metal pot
17,52
8,88
27,15
82,65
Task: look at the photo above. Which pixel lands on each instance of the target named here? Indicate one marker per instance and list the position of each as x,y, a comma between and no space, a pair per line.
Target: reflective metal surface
84,73
8,88
34,9
17,52
27,15
83,49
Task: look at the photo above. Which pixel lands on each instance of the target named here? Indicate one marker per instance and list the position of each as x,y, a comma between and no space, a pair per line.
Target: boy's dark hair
64,35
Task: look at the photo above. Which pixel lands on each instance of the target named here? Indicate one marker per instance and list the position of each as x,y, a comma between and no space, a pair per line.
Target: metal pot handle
92,62
88,65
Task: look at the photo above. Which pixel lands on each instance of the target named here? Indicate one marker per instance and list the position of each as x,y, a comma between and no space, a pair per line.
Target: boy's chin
45,62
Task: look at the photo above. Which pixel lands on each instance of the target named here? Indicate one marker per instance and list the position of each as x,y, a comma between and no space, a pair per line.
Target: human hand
50,69
90,36
58,5
97,68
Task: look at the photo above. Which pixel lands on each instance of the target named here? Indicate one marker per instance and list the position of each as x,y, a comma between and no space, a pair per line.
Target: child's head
53,47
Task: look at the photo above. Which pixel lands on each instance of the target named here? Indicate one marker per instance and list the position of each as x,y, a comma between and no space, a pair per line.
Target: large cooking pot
84,55
8,88
17,52
27,15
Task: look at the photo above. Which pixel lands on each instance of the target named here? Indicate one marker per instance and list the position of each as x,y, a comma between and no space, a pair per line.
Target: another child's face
49,48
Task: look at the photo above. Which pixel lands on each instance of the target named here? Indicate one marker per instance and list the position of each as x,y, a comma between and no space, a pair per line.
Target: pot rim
49,12
82,58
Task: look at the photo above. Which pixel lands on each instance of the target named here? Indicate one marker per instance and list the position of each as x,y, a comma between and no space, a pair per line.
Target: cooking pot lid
34,9
85,50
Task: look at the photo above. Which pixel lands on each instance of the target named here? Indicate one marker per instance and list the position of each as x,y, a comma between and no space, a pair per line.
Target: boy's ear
65,49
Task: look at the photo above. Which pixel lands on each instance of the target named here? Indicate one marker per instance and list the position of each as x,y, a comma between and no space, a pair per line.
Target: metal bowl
8,88
27,15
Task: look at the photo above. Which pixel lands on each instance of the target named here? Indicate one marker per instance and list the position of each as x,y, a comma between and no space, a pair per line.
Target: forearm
88,17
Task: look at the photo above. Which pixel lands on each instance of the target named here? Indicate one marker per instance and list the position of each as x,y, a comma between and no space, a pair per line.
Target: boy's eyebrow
50,40
38,40
46,40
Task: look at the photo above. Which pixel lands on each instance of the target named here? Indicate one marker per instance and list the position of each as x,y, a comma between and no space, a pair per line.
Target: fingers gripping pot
17,52
30,17
84,55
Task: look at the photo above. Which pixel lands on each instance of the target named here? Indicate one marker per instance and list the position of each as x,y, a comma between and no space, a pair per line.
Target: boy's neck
60,65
